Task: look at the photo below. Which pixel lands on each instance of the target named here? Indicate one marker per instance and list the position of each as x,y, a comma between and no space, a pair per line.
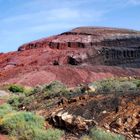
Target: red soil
41,62
2,101
2,137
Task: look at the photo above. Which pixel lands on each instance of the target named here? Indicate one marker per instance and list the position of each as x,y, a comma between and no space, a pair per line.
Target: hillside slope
81,55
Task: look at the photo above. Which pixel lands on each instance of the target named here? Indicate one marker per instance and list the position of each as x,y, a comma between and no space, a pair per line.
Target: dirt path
3,93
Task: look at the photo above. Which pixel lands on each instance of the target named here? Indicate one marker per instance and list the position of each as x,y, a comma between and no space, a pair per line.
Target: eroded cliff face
81,55
108,46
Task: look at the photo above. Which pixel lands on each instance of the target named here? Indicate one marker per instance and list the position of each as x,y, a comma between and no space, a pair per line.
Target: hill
81,55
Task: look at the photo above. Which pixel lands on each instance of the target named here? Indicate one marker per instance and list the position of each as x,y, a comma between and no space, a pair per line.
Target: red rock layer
74,57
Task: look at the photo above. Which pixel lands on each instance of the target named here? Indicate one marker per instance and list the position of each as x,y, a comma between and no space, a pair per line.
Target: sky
22,21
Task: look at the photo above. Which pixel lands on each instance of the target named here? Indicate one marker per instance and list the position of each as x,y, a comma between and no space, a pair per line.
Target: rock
136,129
119,121
62,101
108,130
104,112
137,136
116,124
70,122
55,62
106,126
73,60
129,119
67,117
73,100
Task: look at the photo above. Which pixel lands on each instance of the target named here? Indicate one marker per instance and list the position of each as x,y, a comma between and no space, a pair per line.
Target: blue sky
22,21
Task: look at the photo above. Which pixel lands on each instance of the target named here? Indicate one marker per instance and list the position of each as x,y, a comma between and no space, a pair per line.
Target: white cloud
55,18
63,13
57,14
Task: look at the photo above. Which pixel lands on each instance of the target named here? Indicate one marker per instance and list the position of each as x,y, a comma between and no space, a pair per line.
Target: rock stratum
81,55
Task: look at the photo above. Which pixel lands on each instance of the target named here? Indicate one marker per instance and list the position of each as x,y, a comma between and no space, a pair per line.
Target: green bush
51,134
27,126
16,100
128,85
107,85
117,85
55,86
21,124
16,88
86,137
137,83
37,89
5,109
28,91
97,133
53,89
17,119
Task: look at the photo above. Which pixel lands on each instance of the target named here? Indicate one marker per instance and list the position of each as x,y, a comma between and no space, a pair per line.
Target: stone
116,124
104,112
119,121
73,60
129,119
106,126
69,121
137,136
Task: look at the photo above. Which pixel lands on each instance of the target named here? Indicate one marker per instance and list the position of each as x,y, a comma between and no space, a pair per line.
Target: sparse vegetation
97,133
86,137
25,125
53,89
44,95
4,109
15,101
117,85
16,88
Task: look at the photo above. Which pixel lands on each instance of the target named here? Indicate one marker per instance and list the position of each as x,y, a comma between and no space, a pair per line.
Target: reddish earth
2,137
79,56
2,101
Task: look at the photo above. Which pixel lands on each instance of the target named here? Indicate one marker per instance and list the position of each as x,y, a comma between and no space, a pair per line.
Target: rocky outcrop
88,37
115,45
71,122
115,56
78,56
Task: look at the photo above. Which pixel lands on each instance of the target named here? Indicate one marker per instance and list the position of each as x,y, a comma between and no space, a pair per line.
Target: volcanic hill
81,55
